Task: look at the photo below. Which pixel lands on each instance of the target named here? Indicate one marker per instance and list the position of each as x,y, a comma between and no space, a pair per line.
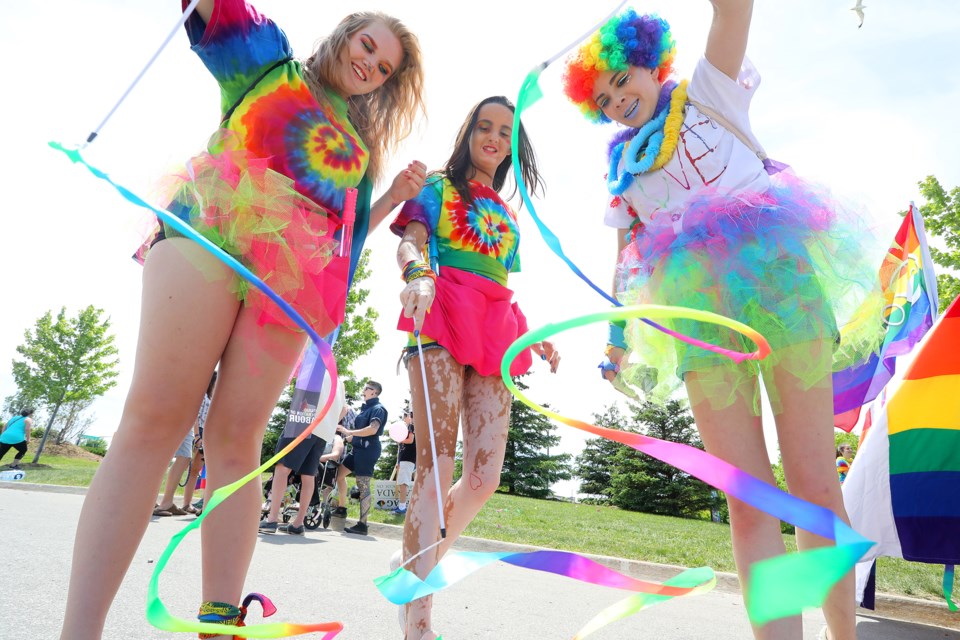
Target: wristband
417,269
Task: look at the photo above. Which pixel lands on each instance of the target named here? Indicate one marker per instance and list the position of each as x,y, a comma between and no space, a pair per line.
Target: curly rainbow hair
625,40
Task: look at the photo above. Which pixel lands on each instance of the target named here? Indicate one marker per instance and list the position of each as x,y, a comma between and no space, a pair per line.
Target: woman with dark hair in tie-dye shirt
269,190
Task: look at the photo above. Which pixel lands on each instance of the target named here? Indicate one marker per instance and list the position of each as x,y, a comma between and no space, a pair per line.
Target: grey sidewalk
328,575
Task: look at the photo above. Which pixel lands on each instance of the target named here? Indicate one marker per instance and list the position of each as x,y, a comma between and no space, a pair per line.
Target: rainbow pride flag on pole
909,289
904,485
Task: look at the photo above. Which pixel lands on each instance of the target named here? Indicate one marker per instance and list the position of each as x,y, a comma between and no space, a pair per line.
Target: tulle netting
256,215
789,262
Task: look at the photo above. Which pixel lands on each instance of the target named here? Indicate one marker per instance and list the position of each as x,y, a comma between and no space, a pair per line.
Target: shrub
96,449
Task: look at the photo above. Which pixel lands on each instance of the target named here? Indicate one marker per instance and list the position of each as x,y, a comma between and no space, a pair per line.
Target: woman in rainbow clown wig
293,137
705,220
471,238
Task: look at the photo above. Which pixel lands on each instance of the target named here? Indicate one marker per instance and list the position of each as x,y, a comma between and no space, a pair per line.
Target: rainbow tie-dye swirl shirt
274,116
482,237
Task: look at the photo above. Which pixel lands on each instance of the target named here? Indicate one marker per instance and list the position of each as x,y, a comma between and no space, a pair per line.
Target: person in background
406,464
16,435
844,459
365,436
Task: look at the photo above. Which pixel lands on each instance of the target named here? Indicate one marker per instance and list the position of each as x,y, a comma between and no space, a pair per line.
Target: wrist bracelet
417,269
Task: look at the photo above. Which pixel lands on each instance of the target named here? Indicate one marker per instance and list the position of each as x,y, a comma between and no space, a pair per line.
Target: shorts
362,461
405,472
186,447
305,457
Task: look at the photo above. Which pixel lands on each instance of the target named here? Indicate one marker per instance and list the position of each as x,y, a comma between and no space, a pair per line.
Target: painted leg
445,377
486,423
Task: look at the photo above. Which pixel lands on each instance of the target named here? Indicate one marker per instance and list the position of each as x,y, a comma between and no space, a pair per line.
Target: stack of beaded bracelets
417,269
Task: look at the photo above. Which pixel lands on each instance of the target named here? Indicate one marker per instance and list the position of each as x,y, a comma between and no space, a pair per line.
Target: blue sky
868,112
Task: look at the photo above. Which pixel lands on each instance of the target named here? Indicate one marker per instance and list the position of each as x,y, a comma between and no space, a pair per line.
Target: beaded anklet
226,613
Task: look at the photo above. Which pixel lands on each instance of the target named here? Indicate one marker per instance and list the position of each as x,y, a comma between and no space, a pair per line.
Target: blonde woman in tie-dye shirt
293,136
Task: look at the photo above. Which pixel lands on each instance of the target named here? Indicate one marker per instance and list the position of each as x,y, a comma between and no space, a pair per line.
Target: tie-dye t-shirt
487,228
278,119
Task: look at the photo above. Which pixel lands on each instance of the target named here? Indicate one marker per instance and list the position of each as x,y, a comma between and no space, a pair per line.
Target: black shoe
340,512
359,529
294,530
268,527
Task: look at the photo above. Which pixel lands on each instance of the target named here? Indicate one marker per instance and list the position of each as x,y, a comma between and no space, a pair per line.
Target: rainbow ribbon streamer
157,613
402,586
778,587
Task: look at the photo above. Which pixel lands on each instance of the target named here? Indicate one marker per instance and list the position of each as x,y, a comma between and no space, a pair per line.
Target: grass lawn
583,528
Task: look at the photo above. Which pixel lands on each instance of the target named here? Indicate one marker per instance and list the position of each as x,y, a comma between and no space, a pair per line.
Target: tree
941,217
528,467
66,363
357,334
593,465
71,421
356,338
639,482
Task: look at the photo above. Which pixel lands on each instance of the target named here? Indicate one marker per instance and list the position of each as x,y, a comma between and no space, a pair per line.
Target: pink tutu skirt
474,319
257,216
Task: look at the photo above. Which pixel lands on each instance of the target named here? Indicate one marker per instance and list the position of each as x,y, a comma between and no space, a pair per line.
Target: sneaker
340,512
268,527
359,529
295,530
400,511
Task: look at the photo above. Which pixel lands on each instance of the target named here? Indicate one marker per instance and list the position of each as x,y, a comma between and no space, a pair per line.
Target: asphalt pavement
328,575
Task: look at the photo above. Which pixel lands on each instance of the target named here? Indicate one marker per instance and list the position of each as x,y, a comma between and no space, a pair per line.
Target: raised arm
406,185
205,9
727,41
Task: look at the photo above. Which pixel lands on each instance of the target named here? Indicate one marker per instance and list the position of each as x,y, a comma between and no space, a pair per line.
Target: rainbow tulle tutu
789,262
256,215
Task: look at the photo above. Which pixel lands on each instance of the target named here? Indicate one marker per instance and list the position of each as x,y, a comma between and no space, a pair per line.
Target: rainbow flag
924,430
902,490
909,289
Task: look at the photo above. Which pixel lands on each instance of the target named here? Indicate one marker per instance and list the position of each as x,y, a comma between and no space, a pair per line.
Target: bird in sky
859,7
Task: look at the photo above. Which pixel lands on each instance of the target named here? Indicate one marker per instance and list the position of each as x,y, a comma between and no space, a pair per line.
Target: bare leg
253,371
179,465
176,351
735,435
486,423
195,464
281,474
342,473
307,483
805,430
401,494
445,377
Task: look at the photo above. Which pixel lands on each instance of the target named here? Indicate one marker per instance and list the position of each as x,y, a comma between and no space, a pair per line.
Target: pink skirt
474,319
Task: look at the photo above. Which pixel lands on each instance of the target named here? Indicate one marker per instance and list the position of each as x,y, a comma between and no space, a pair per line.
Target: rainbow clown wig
625,40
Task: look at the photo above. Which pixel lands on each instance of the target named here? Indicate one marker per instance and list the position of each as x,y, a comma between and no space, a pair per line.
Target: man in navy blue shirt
365,437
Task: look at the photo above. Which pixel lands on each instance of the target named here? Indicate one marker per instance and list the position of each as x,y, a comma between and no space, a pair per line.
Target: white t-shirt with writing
707,157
